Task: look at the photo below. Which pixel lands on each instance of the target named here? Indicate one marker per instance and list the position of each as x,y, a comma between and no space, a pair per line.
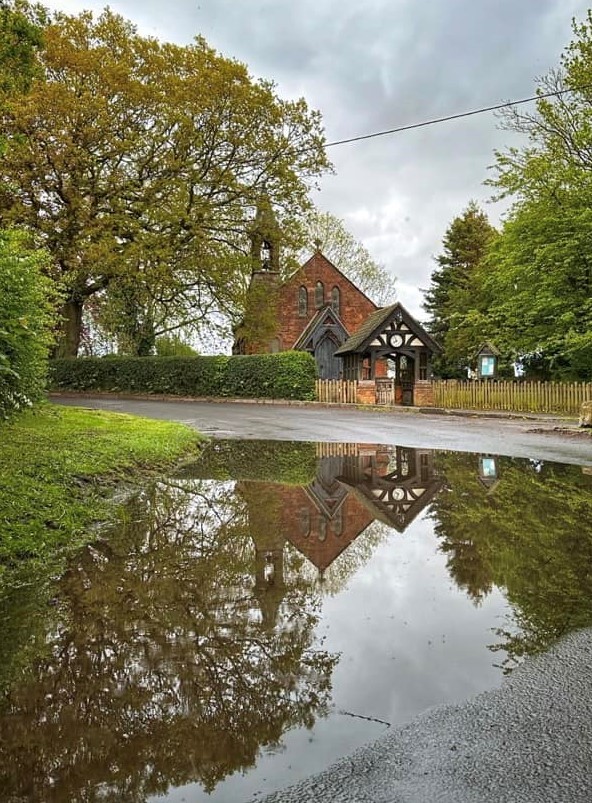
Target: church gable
325,322
317,284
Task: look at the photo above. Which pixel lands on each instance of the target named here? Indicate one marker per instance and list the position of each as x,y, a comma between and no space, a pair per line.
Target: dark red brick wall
320,551
354,305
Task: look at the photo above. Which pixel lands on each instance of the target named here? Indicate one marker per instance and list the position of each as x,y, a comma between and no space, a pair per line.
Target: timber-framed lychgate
390,333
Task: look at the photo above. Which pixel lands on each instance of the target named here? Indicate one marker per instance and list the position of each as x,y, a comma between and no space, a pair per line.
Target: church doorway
329,365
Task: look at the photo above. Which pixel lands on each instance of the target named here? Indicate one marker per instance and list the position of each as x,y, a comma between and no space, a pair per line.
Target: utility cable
450,117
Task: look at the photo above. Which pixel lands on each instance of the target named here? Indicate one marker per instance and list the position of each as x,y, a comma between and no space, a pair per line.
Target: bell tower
265,237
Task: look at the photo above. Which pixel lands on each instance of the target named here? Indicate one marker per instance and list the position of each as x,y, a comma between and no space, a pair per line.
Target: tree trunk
68,338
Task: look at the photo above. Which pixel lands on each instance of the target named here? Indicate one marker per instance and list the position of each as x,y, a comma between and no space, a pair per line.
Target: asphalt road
533,438
529,741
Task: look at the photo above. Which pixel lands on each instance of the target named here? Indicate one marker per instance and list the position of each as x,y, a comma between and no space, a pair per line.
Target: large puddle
275,605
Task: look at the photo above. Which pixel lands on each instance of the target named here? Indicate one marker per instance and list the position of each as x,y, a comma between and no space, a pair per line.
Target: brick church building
319,310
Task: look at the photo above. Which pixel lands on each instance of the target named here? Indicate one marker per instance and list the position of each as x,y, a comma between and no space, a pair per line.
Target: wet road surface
532,438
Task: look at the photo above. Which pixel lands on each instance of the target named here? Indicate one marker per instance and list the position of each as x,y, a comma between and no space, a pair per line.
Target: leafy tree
540,286
328,233
454,299
173,346
21,38
541,277
141,161
26,317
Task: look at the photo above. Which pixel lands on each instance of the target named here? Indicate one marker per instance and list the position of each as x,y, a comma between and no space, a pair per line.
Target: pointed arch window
335,299
303,302
319,295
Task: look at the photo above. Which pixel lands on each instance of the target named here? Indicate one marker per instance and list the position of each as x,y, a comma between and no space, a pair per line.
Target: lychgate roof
394,318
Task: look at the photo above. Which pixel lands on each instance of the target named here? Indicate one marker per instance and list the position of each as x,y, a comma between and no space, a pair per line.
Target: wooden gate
385,390
407,388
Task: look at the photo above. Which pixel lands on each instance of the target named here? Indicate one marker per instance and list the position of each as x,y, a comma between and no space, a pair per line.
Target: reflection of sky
409,639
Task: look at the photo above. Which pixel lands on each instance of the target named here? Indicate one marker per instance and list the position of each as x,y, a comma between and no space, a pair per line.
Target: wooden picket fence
517,396
336,391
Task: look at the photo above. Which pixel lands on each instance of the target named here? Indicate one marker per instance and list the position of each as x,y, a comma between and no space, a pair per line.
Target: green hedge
288,375
25,323
285,462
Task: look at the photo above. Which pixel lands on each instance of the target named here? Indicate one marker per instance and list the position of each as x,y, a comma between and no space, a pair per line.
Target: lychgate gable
389,333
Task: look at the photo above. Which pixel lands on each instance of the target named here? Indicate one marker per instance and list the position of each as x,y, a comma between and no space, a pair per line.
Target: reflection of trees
531,534
160,669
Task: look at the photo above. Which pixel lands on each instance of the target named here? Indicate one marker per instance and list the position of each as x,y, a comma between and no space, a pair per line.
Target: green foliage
158,155
540,285
59,465
26,315
530,534
540,271
286,462
20,40
455,299
288,375
173,346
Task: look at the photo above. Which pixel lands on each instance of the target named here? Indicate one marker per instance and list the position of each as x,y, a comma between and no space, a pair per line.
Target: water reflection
161,668
174,650
526,527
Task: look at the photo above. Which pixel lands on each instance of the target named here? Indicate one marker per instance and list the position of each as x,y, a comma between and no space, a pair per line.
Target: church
319,310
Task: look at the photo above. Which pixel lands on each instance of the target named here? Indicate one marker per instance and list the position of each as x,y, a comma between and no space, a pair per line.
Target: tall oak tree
135,158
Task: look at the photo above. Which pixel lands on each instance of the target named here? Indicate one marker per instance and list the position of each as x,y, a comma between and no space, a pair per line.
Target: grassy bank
60,467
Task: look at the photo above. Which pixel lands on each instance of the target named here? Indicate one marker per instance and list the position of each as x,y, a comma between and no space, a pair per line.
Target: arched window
319,295
304,521
303,302
335,298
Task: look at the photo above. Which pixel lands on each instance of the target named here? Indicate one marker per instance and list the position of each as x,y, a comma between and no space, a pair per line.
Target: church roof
325,319
376,322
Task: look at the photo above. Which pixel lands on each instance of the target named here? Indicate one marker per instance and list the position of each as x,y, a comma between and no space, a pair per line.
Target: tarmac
528,741
530,436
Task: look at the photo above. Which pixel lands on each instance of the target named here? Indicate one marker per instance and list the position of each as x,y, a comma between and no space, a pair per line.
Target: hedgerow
287,375
26,316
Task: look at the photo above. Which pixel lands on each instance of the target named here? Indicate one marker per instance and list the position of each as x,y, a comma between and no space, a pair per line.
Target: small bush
173,346
288,375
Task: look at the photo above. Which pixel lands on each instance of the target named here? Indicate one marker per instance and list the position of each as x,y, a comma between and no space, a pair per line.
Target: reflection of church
353,486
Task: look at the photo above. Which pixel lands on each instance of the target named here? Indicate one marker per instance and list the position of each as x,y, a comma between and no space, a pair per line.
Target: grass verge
60,467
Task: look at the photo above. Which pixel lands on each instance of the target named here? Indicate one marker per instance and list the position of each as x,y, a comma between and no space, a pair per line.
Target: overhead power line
449,117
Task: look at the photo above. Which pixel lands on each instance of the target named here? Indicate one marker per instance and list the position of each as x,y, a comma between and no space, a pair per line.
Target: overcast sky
376,64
